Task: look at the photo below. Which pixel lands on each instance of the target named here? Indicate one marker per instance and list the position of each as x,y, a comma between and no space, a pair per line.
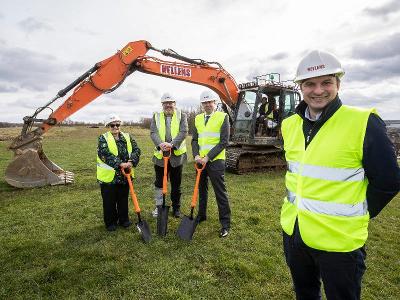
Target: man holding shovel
168,131
210,138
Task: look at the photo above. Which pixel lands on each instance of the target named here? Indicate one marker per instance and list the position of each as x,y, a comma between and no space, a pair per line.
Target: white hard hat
208,96
318,63
112,118
167,98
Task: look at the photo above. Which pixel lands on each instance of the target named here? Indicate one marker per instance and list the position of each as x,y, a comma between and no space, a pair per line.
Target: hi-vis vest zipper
209,135
326,184
106,173
175,123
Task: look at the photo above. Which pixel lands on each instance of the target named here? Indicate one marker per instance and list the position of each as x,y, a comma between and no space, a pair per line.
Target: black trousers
341,272
115,203
216,172
175,178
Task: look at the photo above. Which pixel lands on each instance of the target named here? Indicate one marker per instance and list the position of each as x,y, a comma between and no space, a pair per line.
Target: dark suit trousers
340,272
216,172
115,203
175,177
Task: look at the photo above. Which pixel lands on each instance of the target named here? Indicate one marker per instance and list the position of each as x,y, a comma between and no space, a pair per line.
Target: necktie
207,117
168,137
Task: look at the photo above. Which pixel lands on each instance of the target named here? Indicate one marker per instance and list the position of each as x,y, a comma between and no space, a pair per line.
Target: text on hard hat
315,68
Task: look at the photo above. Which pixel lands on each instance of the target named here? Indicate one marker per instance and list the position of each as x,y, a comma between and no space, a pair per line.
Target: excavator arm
31,167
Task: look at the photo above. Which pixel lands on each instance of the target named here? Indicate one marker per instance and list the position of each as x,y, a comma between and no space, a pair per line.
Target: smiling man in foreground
342,171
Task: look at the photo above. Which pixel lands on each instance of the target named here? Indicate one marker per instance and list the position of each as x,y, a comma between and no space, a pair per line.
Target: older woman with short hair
115,150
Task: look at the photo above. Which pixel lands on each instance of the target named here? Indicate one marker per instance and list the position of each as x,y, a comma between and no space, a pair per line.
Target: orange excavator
31,167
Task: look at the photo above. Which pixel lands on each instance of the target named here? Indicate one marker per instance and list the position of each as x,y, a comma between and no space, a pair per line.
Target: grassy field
53,243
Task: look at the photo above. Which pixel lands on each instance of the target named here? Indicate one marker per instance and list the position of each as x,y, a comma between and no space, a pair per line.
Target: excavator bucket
31,168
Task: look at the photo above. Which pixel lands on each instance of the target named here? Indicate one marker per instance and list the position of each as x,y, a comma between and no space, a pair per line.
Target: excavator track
241,160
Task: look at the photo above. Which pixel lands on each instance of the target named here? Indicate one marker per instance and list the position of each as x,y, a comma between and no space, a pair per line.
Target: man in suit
210,138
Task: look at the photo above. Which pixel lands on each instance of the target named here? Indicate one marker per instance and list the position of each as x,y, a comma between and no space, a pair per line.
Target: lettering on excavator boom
175,70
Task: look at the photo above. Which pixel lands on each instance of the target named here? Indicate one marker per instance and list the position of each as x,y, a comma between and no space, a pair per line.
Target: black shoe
200,219
176,213
224,232
126,224
112,227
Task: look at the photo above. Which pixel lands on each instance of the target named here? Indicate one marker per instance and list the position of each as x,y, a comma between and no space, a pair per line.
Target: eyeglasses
115,125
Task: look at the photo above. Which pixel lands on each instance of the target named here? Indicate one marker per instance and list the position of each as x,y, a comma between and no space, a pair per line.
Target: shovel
188,224
162,216
141,225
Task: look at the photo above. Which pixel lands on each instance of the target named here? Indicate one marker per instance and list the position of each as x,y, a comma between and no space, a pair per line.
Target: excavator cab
256,142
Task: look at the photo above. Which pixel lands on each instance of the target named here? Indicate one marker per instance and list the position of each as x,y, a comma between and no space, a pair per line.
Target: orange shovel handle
165,178
133,195
196,186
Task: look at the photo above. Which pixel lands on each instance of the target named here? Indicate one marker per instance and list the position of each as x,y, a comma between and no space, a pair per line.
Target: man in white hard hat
115,150
342,171
210,138
168,131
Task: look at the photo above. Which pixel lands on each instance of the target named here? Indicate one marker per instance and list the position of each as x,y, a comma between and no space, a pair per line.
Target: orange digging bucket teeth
188,224
141,225
31,168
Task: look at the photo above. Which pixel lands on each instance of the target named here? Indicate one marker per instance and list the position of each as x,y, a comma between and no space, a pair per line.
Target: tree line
143,122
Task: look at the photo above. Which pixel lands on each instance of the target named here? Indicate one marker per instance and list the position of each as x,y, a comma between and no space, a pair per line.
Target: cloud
7,89
86,31
279,56
386,47
374,71
262,66
376,61
30,25
383,10
27,69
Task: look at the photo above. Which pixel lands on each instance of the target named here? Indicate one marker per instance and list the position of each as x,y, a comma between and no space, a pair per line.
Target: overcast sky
45,45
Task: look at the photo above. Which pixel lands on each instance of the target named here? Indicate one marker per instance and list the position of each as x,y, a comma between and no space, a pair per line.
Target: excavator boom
31,167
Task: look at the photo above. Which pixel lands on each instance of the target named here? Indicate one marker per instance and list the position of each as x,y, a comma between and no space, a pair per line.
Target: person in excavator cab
115,150
168,131
267,116
341,171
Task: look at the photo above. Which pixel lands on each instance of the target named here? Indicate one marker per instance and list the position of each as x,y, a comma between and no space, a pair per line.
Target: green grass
53,243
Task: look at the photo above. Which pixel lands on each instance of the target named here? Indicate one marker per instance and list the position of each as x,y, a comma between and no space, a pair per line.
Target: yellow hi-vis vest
106,173
175,123
326,183
209,135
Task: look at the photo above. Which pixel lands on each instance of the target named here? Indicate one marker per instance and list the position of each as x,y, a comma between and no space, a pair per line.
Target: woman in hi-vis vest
116,150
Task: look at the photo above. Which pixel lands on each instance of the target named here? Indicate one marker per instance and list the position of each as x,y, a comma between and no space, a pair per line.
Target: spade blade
187,228
162,220
144,230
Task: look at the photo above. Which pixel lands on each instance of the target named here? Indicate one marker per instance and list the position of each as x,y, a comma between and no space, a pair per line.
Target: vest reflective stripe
328,173
103,165
328,208
209,135
333,209
326,184
106,173
291,197
175,124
